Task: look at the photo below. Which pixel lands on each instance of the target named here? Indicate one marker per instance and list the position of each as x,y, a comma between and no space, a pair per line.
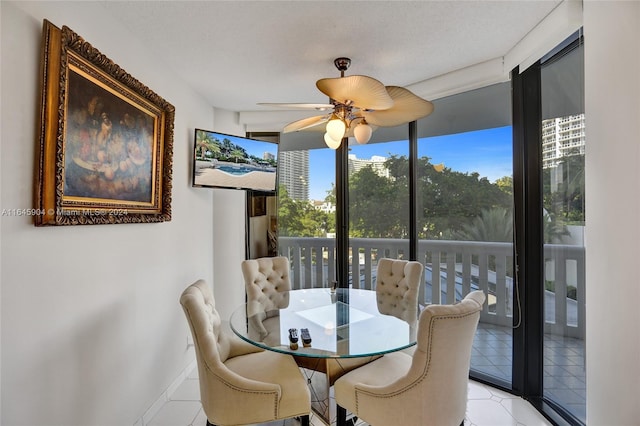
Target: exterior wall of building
293,169
560,137
376,162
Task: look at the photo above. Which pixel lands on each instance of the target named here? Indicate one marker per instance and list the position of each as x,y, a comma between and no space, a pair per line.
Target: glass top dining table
343,323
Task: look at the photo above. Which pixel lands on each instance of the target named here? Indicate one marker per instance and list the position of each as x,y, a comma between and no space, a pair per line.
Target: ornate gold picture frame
105,142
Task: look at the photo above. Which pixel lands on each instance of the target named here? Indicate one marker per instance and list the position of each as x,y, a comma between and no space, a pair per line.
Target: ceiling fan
358,105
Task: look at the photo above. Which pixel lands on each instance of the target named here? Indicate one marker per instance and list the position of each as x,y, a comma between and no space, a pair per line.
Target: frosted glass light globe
331,143
336,129
362,132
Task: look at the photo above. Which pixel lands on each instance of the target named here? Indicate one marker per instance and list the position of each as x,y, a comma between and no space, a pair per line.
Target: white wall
229,230
229,245
92,331
612,237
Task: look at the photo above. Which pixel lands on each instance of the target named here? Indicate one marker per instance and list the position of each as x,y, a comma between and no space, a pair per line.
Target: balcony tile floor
564,366
486,406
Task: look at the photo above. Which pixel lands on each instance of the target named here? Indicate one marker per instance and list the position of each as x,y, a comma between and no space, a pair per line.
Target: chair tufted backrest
433,391
397,285
212,346
441,360
224,375
267,283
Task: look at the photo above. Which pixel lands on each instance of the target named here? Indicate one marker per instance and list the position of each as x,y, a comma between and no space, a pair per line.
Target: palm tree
236,154
205,143
494,224
553,228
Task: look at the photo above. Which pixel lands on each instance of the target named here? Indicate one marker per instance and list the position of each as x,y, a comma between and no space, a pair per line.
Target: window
306,215
492,172
378,207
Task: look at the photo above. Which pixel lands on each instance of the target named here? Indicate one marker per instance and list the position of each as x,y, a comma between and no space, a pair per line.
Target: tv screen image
226,161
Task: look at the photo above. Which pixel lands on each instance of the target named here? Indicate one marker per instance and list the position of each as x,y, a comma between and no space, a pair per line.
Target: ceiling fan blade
407,107
319,107
356,90
307,124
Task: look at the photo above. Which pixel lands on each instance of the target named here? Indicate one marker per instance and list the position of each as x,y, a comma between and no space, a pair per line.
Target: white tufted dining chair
267,285
428,388
239,383
397,286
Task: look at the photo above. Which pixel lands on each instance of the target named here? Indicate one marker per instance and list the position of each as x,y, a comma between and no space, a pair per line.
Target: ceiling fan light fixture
336,128
331,143
360,105
362,132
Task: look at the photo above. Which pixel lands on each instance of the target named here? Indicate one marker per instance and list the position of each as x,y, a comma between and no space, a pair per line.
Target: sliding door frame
529,301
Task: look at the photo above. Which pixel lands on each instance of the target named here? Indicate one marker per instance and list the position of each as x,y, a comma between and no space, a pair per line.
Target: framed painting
258,205
105,139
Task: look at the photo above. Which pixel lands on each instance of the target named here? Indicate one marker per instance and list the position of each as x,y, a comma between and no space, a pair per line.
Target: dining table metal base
321,374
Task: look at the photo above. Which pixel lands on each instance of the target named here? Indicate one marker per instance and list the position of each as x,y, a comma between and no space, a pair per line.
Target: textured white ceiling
239,53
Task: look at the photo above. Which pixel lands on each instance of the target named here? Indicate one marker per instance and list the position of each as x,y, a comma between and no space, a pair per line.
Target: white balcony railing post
452,269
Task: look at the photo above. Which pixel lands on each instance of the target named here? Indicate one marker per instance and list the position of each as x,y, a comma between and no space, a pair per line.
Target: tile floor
564,365
486,406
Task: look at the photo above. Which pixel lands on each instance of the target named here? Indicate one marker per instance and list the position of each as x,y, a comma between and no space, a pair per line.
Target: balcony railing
453,269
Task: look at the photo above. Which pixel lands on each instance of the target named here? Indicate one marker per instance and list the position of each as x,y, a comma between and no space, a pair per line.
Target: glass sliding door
562,171
549,141
465,216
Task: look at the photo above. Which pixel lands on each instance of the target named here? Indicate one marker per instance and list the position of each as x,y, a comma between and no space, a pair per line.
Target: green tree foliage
495,224
452,205
288,214
448,199
237,154
316,223
301,219
331,195
553,228
206,146
564,194
378,208
505,183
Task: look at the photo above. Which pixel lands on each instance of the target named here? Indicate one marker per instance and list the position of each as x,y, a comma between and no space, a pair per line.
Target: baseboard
165,396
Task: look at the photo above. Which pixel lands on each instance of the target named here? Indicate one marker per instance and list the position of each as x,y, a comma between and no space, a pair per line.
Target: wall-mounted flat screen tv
226,161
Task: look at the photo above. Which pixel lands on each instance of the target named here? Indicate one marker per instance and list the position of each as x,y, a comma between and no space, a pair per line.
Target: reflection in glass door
563,148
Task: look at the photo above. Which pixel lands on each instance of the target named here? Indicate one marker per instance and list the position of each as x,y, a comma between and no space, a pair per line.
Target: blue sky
488,152
256,148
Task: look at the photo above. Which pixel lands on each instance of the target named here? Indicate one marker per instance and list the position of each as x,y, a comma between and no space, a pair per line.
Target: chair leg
304,420
341,414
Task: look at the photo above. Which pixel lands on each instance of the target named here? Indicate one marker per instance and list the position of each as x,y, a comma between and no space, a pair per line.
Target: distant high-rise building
376,162
562,136
268,156
293,171
323,206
